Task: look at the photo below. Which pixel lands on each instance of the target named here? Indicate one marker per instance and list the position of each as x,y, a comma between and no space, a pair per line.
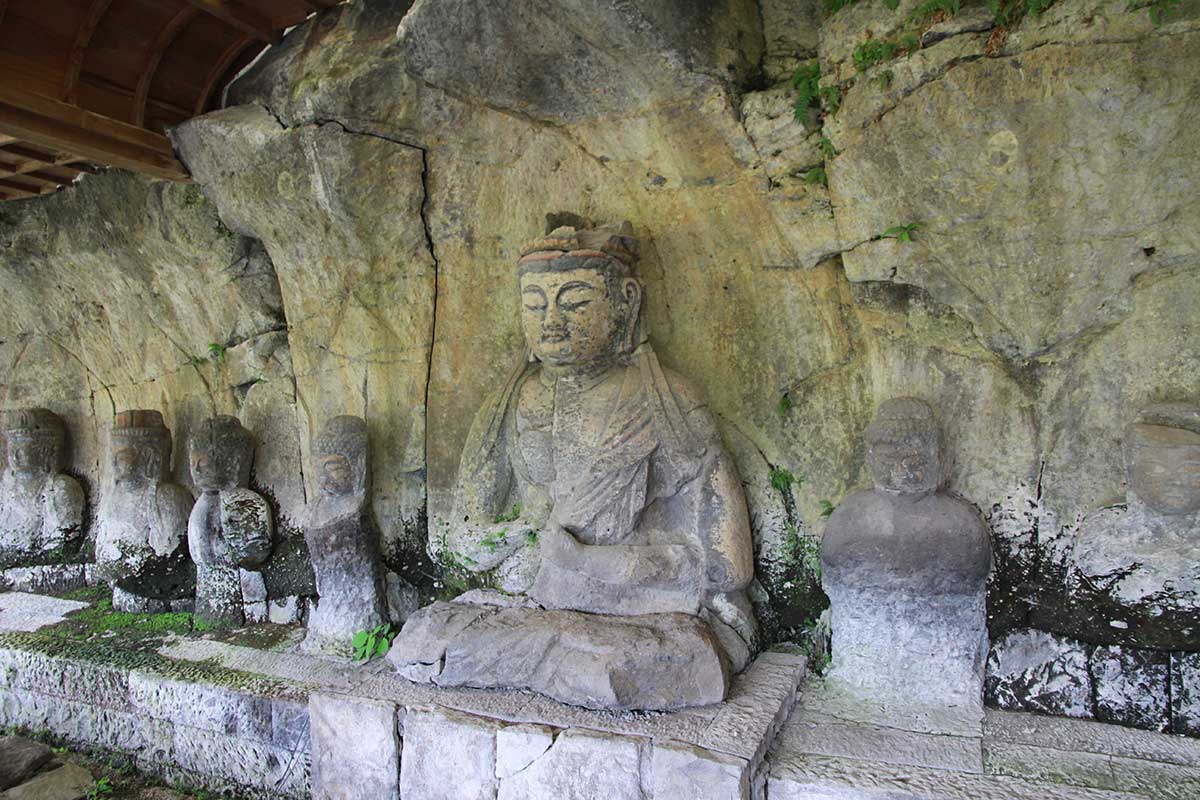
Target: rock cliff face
350,246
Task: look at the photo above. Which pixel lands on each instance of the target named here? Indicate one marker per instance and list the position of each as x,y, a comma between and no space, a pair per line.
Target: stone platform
1014,756
277,723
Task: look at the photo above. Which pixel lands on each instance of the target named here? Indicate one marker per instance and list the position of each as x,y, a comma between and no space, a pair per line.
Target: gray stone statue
1145,556
343,541
905,566
142,522
230,527
41,509
595,492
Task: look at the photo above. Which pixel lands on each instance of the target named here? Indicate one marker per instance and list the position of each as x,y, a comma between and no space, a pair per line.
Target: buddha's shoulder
686,395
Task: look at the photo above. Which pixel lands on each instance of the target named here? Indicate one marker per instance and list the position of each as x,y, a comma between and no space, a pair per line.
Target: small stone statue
905,567
41,509
230,526
1145,557
143,520
595,491
343,541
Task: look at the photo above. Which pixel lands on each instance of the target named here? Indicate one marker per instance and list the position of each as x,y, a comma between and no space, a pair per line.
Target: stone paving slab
1090,737
25,612
796,776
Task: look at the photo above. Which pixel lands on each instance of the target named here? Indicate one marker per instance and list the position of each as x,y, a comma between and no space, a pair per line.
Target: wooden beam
154,56
100,82
13,189
45,122
219,68
83,37
40,177
28,153
316,5
3,8
244,19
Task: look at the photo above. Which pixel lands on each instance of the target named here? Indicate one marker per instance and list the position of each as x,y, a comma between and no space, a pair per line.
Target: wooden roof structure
97,82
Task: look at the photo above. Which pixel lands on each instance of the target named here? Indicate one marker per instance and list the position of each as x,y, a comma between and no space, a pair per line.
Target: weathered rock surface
68,782
1043,296
1036,671
1131,686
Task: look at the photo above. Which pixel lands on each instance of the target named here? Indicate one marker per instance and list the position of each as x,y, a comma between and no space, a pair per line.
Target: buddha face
904,457
334,474
208,471
1165,468
31,455
572,318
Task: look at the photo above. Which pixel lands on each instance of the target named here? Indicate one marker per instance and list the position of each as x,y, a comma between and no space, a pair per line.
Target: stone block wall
188,731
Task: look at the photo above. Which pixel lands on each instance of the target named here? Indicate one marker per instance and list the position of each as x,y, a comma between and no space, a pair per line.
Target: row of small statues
154,542
597,501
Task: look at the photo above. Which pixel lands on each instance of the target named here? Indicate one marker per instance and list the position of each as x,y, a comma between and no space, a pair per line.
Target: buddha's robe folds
628,559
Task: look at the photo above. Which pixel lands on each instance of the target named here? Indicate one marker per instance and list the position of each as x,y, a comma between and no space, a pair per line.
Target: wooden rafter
50,123
14,189
3,8
219,68
107,85
165,36
244,19
83,37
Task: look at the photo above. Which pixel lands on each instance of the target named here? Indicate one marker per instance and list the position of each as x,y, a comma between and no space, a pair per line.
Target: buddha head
904,447
580,304
1162,452
340,452
220,453
141,447
35,438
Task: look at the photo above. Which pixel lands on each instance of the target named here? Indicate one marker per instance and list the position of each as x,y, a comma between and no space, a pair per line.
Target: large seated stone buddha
595,494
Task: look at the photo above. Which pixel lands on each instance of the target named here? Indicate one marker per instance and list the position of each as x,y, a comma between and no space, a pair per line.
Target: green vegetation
531,538
1159,10
805,552
216,351
816,176
827,149
910,43
373,642
834,6
827,508
100,788
902,232
872,52
885,79
509,516
1008,12
494,539
832,97
807,83
782,479
931,8
785,404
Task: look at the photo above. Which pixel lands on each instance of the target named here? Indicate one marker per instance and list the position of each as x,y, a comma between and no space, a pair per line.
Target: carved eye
537,308
574,306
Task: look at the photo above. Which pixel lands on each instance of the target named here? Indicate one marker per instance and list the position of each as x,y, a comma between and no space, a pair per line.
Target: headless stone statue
905,567
1144,558
41,509
141,538
230,527
595,492
343,541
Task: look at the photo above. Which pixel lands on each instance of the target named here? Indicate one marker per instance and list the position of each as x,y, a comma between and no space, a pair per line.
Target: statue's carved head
35,438
220,453
580,304
141,447
904,448
1162,452
340,452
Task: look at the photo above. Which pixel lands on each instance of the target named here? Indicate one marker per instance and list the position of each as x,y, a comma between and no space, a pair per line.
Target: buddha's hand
558,546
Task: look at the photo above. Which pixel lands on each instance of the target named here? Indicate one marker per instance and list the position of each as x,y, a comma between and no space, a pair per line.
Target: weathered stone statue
143,519
1144,557
230,527
343,541
593,490
905,567
41,509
